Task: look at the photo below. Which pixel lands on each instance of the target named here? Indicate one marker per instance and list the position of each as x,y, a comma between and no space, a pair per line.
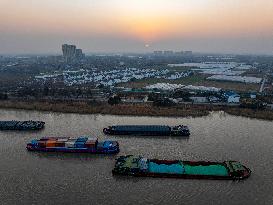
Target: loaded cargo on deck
76,145
21,125
143,167
148,130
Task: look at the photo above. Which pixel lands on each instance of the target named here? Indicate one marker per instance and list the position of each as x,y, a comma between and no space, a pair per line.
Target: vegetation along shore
146,109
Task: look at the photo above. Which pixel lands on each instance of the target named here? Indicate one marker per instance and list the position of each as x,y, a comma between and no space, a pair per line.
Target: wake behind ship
21,125
143,167
74,145
148,130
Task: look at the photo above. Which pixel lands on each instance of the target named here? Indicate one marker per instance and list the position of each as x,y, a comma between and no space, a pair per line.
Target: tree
101,86
79,92
3,96
163,102
154,96
114,100
46,90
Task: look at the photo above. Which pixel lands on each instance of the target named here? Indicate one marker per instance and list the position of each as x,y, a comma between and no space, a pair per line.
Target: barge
143,167
21,125
147,130
74,145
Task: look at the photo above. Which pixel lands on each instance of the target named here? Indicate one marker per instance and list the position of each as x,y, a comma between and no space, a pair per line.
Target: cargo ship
74,145
143,167
147,130
21,125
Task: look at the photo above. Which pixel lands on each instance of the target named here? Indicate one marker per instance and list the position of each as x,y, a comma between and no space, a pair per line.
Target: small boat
143,167
74,145
21,125
147,130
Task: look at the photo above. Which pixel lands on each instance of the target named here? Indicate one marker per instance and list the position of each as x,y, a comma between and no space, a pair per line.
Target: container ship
143,167
74,145
21,125
147,130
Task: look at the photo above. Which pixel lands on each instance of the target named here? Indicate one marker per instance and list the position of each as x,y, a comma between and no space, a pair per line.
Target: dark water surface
47,178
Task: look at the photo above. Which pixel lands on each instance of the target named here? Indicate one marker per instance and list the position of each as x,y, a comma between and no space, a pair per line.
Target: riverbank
104,108
145,109
251,113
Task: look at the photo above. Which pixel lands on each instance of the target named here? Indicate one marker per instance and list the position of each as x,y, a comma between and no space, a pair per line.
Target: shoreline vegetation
144,109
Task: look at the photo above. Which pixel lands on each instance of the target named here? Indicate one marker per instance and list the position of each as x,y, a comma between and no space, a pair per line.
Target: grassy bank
258,114
185,110
104,108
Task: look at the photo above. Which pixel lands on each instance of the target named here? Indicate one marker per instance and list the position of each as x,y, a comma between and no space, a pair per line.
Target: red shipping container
91,144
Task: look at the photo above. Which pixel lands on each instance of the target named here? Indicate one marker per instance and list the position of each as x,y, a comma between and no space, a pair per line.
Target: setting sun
161,22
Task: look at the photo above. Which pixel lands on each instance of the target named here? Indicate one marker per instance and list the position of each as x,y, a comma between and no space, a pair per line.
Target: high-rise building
179,53
158,53
188,52
172,53
168,52
79,53
70,52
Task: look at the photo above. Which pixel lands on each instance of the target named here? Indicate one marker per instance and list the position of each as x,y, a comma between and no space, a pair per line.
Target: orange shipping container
51,143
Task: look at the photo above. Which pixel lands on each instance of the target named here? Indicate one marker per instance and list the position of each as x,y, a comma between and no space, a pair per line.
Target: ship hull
21,125
146,130
143,167
182,176
72,150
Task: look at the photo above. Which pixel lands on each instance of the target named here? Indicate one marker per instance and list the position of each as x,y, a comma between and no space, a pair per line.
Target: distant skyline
211,26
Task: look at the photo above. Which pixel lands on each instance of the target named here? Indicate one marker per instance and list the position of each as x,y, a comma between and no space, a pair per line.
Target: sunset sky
226,26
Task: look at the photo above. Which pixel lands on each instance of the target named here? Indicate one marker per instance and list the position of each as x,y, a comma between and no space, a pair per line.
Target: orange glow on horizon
146,20
150,29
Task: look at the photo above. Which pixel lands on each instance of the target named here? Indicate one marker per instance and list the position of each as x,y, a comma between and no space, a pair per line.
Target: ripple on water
34,178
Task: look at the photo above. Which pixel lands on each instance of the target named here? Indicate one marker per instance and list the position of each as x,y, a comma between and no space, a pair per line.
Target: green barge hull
143,167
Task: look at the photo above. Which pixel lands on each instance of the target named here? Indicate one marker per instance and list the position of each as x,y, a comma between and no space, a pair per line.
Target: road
262,85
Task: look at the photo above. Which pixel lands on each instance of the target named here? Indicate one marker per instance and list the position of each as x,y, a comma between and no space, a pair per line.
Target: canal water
48,178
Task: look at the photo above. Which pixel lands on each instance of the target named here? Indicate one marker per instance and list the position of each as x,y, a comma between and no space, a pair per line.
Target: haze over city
136,102
39,27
